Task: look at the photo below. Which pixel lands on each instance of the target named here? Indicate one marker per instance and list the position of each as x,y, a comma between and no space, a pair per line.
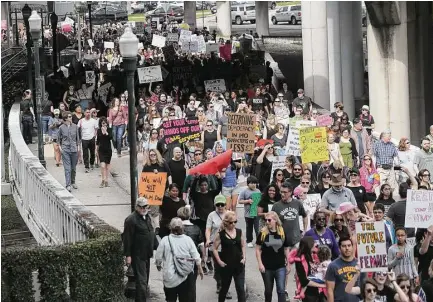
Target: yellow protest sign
313,144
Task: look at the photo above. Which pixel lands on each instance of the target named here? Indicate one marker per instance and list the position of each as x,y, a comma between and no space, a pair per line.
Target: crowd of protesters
364,180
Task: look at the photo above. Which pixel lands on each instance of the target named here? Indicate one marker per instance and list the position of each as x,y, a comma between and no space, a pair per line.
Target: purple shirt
327,238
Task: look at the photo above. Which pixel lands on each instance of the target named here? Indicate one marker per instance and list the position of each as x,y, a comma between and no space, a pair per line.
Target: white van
242,13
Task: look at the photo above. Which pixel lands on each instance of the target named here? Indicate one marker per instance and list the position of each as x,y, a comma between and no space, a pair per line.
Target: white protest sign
305,124
90,42
218,85
282,114
158,41
279,162
292,145
194,38
185,36
172,37
371,240
69,21
90,77
103,91
190,46
310,205
108,44
149,74
201,44
140,45
419,209
212,47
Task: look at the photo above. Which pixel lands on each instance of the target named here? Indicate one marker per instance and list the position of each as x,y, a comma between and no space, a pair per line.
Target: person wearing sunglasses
423,159
338,226
231,258
361,139
378,212
139,242
406,156
209,136
323,183
271,254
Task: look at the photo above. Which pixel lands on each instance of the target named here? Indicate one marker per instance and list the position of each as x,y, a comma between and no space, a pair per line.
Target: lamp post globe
128,49
35,23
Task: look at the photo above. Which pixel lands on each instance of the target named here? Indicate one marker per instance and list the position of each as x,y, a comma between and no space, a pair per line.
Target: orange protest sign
152,186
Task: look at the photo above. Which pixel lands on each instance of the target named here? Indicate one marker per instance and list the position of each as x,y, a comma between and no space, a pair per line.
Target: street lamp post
35,29
54,19
80,8
128,49
89,5
26,11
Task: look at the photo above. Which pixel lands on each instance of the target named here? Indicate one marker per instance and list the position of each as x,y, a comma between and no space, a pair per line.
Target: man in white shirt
88,127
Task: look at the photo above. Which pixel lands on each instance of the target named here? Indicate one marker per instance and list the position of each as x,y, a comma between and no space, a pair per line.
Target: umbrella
216,164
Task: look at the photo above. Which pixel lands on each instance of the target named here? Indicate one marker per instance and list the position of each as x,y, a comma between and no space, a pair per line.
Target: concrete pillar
357,51
190,14
346,48
224,19
2,142
262,18
315,52
334,54
388,76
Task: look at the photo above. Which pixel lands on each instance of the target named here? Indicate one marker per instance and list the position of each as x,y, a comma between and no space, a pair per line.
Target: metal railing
14,65
52,214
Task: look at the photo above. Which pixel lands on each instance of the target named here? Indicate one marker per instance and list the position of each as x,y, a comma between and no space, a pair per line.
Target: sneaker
69,188
87,170
250,244
57,164
119,154
229,296
102,184
74,186
92,167
287,296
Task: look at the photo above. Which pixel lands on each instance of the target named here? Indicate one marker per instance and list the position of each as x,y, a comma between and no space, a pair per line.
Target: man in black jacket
138,246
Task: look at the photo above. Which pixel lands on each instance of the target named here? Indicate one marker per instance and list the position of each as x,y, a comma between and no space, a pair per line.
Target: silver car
243,12
291,14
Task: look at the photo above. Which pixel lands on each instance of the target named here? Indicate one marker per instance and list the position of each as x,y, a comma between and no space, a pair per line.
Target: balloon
213,166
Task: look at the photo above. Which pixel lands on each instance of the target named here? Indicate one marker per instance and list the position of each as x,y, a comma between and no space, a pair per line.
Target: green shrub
11,218
94,268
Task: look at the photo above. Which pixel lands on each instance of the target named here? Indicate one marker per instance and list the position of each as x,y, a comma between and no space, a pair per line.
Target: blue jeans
69,164
117,137
45,120
279,275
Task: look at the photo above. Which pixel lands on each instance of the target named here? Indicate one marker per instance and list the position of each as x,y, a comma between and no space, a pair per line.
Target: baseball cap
365,107
141,201
56,111
220,199
300,90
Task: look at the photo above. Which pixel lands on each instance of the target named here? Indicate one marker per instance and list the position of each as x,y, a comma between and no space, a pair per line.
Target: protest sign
108,44
324,120
305,124
256,199
292,145
212,47
201,44
158,41
240,132
149,74
172,37
194,38
185,36
154,23
90,77
218,85
371,241
419,209
90,42
313,144
103,91
181,130
279,162
152,186
190,47
310,206
169,52
181,72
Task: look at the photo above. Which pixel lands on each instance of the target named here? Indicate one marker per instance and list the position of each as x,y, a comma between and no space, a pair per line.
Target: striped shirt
385,153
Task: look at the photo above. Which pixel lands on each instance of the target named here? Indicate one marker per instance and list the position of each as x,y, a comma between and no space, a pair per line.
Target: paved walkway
112,204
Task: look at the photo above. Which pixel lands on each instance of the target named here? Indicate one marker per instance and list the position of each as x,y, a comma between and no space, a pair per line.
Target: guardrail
52,214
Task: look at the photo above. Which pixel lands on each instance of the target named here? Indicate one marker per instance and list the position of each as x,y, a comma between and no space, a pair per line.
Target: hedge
11,218
93,268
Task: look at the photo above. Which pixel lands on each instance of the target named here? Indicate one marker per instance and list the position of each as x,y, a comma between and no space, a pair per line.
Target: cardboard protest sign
324,120
152,186
311,205
240,132
172,37
181,130
313,144
169,53
90,77
181,72
201,44
292,145
279,162
108,44
158,41
190,47
212,47
419,209
304,124
218,85
149,74
103,91
194,38
371,241
256,196
90,42
185,36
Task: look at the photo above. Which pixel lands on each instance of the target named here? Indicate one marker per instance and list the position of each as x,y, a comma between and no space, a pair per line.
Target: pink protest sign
324,120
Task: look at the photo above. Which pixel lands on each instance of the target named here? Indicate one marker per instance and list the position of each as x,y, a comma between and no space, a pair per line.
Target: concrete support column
346,48
388,76
2,143
334,54
224,18
315,52
357,51
190,14
262,18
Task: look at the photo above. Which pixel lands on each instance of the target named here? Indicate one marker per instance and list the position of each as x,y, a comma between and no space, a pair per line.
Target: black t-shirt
47,108
386,203
163,168
169,209
25,106
257,103
272,250
178,171
360,197
264,204
385,295
423,260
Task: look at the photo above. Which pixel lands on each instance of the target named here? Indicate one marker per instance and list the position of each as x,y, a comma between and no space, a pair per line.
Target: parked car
108,13
213,9
204,5
173,13
242,13
142,7
291,14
